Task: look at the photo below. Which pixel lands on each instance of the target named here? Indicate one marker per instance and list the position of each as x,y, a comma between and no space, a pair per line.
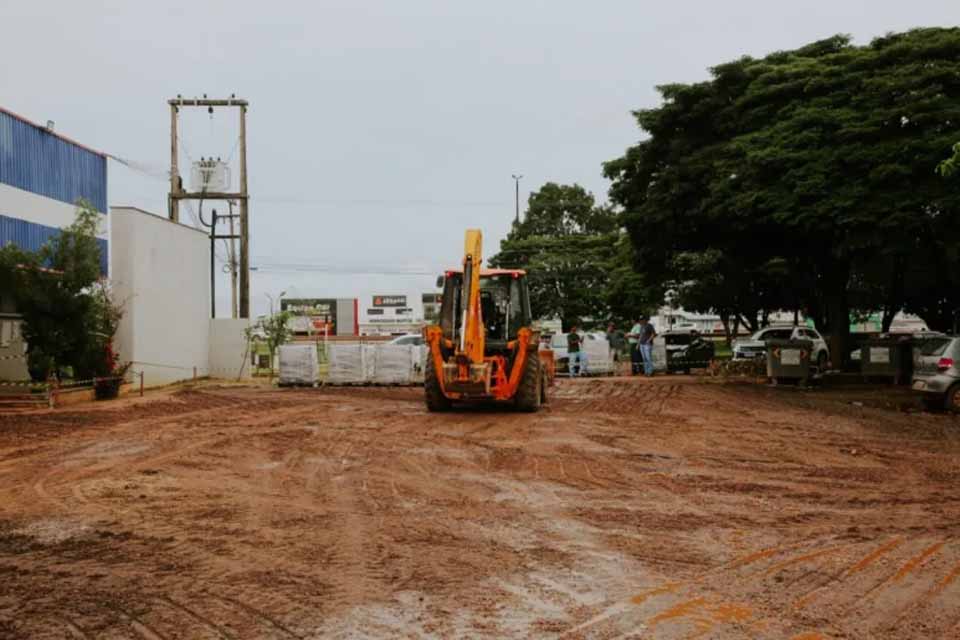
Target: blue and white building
42,177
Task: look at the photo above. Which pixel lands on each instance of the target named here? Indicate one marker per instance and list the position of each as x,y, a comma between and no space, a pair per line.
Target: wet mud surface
663,508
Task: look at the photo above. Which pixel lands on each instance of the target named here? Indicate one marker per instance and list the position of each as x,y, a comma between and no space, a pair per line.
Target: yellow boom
472,329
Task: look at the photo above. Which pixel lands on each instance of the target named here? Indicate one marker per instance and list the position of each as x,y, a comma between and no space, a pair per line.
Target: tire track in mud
622,488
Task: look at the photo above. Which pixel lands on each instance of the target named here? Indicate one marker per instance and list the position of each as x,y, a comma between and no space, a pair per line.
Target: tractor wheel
544,383
530,389
433,393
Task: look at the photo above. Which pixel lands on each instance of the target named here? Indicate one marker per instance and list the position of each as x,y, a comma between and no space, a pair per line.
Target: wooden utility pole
244,220
173,204
177,193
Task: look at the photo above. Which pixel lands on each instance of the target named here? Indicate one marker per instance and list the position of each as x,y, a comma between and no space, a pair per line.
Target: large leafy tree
806,177
568,245
68,320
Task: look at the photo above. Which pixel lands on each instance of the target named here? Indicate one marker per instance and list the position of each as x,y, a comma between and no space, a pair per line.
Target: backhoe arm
472,332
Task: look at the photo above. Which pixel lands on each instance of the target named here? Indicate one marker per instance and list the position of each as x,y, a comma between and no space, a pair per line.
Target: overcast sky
380,130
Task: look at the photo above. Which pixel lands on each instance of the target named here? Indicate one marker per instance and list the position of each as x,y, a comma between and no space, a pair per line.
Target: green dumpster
789,360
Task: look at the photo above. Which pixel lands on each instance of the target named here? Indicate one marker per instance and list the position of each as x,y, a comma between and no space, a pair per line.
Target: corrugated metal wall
34,160
31,236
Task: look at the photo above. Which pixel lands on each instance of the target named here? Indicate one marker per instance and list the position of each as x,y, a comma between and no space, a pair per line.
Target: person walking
633,342
647,334
574,352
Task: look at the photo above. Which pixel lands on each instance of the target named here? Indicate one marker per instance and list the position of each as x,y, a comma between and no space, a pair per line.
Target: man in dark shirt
574,354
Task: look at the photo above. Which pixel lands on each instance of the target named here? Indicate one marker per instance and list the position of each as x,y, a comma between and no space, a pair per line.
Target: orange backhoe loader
484,348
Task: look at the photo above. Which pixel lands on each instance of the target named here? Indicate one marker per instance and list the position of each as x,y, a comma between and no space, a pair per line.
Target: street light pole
516,182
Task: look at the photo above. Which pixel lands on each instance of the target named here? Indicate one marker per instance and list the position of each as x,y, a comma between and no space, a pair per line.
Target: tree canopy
572,251
803,180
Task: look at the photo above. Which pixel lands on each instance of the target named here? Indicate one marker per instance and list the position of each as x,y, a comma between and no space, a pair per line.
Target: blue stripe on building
32,236
35,160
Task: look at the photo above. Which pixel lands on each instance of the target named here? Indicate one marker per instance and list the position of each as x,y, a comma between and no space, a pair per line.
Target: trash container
887,357
675,345
789,360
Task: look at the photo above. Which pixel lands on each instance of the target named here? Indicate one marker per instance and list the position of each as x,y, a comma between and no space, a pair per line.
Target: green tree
568,246
67,320
274,330
810,171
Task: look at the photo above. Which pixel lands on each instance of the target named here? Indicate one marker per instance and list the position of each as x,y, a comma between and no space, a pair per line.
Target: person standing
633,342
647,334
615,341
574,352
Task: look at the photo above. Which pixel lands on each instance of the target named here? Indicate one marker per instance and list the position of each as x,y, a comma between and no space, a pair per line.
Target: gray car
936,373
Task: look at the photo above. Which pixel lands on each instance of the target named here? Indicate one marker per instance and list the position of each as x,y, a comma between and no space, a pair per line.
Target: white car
596,348
755,346
414,339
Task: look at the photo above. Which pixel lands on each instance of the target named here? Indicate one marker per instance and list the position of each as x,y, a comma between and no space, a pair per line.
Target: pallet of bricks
352,364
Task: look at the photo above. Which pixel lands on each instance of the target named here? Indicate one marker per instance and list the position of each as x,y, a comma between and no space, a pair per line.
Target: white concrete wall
228,349
161,275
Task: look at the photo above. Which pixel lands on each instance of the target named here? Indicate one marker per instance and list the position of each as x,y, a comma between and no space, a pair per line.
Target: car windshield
934,346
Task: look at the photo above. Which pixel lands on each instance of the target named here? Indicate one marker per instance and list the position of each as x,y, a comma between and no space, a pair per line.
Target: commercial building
392,314
322,316
43,175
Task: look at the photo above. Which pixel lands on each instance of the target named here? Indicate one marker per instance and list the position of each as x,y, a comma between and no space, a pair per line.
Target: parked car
682,327
755,346
414,339
595,346
936,373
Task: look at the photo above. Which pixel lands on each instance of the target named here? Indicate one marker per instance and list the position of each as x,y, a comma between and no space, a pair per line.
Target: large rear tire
433,392
530,389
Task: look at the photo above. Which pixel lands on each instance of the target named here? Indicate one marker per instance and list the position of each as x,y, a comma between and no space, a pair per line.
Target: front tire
433,392
530,389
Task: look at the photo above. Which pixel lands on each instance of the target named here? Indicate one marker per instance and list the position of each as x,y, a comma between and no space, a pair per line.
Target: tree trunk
725,321
895,294
837,307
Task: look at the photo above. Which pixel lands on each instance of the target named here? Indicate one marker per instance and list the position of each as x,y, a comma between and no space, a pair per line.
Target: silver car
936,373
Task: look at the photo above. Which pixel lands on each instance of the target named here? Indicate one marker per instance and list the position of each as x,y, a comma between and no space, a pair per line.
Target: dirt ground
664,508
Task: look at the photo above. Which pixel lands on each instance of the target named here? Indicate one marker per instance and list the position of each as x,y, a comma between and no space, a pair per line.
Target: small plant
272,330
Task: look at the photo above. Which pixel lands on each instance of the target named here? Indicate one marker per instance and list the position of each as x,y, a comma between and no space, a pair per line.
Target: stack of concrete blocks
298,365
392,363
346,363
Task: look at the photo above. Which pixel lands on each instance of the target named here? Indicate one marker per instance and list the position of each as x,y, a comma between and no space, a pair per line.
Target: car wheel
952,401
822,362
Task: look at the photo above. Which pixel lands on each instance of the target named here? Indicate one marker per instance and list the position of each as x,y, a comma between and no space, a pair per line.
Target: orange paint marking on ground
864,562
915,562
730,612
682,610
947,580
874,556
753,557
809,556
640,598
